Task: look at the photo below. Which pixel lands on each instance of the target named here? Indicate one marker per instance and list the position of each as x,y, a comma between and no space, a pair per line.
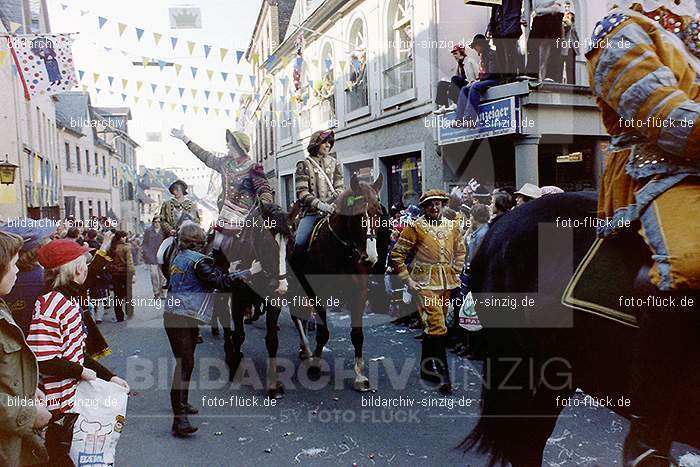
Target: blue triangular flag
173,41
81,73
64,6
194,72
206,93
161,64
154,87
102,20
110,79
108,49
311,83
300,61
123,97
329,64
228,112
233,96
224,75
182,90
257,97
239,55
252,80
206,110
184,108
207,49
139,33
161,104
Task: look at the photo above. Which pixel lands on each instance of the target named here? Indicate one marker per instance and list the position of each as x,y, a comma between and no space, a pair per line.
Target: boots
441,353
182,428
434,362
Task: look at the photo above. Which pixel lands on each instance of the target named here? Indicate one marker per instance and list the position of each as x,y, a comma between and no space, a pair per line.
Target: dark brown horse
537,356
336,267
264,238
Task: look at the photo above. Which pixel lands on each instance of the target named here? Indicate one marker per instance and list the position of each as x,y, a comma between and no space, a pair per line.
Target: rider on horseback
318,179
649,96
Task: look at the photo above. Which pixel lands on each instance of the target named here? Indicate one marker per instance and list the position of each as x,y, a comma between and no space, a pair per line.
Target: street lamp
7,172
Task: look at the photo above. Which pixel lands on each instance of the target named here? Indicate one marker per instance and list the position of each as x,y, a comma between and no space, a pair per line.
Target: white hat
530,190
683,8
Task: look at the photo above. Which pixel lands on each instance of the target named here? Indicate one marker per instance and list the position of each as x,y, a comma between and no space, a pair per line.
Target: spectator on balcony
470,95
569,47
505,28
545,33
466,73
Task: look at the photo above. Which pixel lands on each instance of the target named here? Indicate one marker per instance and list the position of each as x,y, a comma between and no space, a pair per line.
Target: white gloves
325,207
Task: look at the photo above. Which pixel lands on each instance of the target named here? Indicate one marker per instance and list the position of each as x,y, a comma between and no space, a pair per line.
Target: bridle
352,246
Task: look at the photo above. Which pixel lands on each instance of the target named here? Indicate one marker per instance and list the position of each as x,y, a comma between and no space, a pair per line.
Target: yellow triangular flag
150,102
217,112
222,53
173,105
239,79
145,61
191,46
210,73
95,77
121,27
14,27
286,61
256,58
258,114
138,85
342,64
2,28
167,89
157,37
125,83
238,113
85,88
220,94
178,68
136,99
194,93
196,109
3,54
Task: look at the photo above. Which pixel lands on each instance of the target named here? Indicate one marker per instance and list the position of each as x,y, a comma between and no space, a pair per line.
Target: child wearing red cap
57,334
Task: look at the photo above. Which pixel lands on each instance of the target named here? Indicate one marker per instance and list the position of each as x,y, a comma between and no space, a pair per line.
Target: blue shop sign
496,118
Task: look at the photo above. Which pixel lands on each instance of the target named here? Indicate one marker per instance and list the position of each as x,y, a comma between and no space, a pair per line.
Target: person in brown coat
123,271
22,412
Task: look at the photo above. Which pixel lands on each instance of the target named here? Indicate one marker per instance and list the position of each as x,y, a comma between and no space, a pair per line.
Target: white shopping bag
163,248
468,318
102,409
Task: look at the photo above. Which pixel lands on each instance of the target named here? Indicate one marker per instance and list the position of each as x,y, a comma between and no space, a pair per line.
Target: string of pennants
157,37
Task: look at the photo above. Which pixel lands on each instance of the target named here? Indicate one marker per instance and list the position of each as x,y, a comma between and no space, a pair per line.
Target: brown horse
336,266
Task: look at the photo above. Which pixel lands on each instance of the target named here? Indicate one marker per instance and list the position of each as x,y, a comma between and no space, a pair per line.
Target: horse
538,357
264,237
336,265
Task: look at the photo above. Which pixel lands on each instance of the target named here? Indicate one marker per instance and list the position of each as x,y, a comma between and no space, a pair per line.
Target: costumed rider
318,179
437,247
177,209
645,75
242,180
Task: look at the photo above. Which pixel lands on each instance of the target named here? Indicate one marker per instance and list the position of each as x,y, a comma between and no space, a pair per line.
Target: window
325,90
363,169
114,177
288,190
97,165
99,208
285,106
405,174
77,158
68,165
87,162
106,208
90,211
104,166
356,88
398,72
81,209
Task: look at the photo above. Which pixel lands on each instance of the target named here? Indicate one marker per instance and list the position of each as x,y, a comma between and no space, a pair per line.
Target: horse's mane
350,203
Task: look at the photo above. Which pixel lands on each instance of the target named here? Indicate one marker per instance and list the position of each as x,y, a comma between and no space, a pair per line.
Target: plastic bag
468,318
101,406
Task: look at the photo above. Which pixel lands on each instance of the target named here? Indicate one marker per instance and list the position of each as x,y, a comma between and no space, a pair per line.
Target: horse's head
361,211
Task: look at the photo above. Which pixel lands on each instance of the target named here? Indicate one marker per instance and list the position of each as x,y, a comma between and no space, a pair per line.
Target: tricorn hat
182,184
239,140
433,194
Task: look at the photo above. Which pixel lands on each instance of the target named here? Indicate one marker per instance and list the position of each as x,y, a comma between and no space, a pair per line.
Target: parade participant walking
177,209
123,271
30,278
57,336
21,443
242,180
152,238
193,278
437,247
651,183
318,179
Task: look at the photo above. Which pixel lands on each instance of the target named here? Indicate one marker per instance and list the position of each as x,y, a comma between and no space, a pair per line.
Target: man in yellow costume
644,69
437,248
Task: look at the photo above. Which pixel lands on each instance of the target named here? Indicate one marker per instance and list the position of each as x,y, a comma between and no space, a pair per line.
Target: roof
10,11
285,10
295,18
72,109
114,111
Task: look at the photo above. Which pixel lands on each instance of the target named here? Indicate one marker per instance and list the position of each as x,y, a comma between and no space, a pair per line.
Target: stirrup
654,454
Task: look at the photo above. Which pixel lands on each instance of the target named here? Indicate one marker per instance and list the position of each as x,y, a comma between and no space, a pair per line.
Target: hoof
361,385
233,364
303,355
314,368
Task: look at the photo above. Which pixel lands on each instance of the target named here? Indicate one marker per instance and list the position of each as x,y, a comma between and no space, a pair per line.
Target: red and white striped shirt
57,331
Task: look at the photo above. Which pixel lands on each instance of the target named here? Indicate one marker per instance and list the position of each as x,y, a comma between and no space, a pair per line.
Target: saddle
614,271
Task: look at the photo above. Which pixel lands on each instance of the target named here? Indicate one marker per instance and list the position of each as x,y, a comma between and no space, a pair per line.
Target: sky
225,24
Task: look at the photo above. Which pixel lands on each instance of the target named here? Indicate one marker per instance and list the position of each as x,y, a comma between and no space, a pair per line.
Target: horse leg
322,336
275,389
237,336
357,337
300,325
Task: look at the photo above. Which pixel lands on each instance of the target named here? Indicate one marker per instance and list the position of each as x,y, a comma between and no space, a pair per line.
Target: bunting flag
194,72
224,76
84,12
153,88
157,37
173,106
138,85
206,110
102,20
145,61
178,69
239,78
184,108
252,80
3,54
210,74
64,6
228,112
181,90
124,96
206,94
161,64
194,93
195,108
139,33
190,46
220,95
239,56
173,42
329,64
14,27
150,102
207,49
256,58
81,73
122,28
95,77
137,99
258,114
161,103
125,83
110,79
222,53
167,89
233,97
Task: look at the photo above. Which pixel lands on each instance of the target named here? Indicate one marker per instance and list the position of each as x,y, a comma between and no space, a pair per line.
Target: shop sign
573,157
495,118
